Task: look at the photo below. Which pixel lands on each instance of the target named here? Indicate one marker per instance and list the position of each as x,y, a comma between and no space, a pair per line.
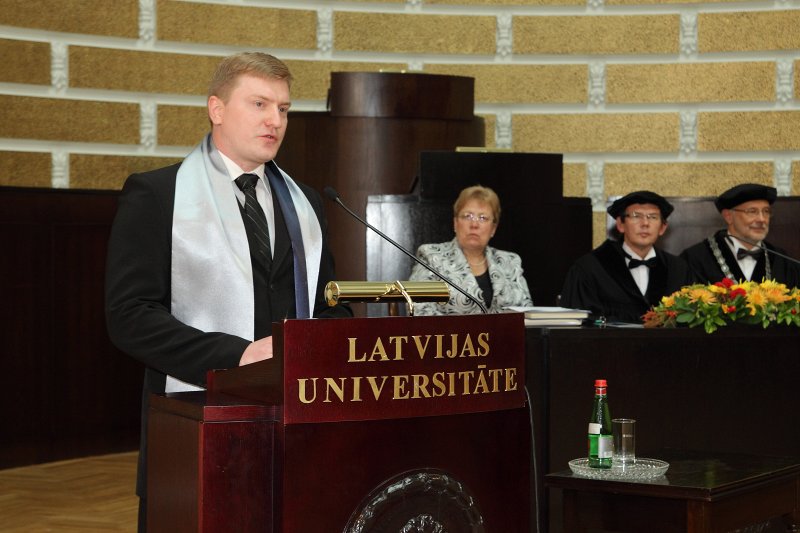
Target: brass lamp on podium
381,291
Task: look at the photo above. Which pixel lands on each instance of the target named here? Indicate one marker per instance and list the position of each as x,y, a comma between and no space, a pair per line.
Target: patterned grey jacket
505,272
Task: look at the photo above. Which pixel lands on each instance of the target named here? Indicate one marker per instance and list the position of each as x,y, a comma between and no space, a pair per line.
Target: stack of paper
552,316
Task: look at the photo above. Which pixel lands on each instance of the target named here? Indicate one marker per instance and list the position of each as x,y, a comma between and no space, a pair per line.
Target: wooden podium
356,425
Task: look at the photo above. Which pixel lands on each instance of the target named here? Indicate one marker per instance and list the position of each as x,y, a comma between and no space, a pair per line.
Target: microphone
761,247
332,195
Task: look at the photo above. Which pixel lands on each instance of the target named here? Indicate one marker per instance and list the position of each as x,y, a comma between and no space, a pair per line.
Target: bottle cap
600,383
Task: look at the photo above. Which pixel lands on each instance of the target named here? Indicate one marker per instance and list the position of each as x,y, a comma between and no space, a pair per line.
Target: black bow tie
649,263
755,253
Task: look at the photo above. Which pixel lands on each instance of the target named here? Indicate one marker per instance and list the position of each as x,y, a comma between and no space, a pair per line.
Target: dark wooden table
701,492
733,391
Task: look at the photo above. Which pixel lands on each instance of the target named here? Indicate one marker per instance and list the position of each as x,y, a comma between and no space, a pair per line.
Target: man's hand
257,351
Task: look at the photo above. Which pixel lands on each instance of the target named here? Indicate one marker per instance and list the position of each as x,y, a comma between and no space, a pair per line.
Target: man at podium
204,255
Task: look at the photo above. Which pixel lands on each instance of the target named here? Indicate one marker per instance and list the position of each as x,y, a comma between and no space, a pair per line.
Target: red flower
738,292
725,282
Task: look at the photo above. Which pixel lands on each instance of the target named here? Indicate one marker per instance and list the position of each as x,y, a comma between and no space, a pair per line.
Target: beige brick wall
748,31
512,3
109,171
69,120
139,71
683,179
181,125
796,178
599,228
402,33
25,169
629,34
116,18
25,62
746,131
797,80
575,179
663,2
522,83
257,27
687,97
699,82
626,132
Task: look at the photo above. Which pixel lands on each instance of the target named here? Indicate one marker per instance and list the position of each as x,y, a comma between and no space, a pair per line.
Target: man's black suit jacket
138,292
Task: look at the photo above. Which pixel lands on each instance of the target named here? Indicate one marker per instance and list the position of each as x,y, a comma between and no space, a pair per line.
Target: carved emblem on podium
420,501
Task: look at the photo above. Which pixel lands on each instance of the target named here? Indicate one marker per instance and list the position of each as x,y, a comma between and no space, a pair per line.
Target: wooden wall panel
69,392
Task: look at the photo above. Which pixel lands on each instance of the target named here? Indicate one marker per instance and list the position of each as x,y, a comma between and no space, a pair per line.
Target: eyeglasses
472,217
640,217
766,212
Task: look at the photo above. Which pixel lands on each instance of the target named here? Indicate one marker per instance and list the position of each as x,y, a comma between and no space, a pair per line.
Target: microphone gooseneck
332,195
762,247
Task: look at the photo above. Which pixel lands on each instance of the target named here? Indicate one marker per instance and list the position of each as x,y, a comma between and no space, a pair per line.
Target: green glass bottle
601,444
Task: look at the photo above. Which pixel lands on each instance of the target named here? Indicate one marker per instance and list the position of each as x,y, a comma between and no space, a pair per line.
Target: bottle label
605,446
594,428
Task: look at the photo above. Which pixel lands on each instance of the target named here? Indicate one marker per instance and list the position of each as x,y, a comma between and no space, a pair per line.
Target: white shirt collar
630,252
734,244
234,170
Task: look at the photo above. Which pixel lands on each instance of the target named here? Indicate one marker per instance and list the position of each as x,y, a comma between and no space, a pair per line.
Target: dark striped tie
247,183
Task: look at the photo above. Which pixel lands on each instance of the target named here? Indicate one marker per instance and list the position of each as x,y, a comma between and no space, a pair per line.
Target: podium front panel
401,367
475,470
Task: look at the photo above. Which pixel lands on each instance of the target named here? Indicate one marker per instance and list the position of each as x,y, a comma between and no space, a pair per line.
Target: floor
86,495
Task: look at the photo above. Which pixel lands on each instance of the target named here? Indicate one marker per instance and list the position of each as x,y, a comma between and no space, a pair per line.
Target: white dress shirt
641,274
747,264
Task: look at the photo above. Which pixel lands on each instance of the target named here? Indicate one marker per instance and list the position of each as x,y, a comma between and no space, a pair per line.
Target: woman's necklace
479,263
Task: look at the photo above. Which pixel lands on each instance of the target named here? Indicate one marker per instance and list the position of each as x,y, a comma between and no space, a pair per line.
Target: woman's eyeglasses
472,217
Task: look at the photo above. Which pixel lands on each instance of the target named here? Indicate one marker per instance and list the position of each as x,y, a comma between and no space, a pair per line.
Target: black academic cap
744,193
640,197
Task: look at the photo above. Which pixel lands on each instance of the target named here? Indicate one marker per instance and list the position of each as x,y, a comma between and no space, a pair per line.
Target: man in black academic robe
739,252
622,279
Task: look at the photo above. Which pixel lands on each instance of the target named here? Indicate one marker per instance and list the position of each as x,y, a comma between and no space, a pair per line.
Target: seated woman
490,275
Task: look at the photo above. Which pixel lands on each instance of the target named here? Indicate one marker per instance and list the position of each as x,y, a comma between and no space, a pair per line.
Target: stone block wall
682,97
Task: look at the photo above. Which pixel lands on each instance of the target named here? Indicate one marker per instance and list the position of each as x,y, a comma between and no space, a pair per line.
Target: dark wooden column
68,390
369,143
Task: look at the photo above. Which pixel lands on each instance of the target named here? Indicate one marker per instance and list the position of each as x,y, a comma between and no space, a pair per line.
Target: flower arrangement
726,302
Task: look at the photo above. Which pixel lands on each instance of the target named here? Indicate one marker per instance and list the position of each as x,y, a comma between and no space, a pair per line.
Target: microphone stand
331,193
761,247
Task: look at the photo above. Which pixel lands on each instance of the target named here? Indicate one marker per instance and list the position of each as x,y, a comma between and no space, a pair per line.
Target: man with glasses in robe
738,251
626,275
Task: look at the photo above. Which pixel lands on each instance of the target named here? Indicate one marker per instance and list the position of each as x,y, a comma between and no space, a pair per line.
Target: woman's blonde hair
481,194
